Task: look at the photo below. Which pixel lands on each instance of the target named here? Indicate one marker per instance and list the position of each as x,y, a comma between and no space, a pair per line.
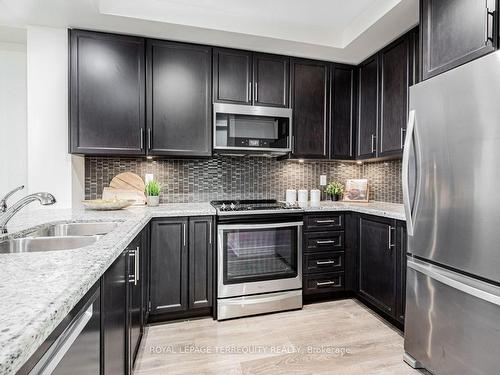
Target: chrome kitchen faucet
8,213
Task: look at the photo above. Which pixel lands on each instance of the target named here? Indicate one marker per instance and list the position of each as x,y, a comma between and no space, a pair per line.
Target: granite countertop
384,209
37,290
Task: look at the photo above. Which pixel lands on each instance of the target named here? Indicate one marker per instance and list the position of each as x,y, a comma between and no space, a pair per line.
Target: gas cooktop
251,205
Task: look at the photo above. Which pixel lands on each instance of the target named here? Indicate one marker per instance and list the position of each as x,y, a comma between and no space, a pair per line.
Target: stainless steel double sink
58,237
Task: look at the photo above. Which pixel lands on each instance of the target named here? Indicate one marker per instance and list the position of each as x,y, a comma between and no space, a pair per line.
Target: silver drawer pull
325,221
325,283
323,262
325,242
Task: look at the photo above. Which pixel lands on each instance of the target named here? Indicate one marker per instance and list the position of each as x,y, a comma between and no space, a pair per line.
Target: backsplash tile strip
225,177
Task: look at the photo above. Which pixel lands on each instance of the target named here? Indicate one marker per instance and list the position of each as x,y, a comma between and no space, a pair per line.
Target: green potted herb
335,190
153,190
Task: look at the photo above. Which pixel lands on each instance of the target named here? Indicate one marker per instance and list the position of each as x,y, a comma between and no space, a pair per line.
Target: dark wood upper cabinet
368,107
343,111
200,262
107,91
415,60
394,83
454,32
169,265
271,76
310,108
179,116
377,262
232,76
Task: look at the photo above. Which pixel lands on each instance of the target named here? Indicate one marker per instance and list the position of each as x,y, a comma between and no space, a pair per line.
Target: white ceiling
335,30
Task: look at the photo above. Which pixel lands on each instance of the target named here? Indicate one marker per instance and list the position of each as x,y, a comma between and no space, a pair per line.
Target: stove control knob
223,207
232,206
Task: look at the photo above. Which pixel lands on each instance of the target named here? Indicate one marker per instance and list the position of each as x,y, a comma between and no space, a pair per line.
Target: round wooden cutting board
128,181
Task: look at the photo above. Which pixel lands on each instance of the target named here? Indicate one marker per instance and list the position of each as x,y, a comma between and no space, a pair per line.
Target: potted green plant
153,190
335,190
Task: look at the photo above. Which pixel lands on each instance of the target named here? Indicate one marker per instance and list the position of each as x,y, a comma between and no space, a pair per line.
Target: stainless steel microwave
242,129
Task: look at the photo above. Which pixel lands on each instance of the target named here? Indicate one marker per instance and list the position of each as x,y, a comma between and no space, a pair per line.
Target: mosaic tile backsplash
224,177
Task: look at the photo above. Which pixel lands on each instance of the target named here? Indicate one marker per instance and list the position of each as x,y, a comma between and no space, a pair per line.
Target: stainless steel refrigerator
451,183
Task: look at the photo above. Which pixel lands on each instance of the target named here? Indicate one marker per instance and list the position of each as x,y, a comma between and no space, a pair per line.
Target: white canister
315,197
302,198
291,197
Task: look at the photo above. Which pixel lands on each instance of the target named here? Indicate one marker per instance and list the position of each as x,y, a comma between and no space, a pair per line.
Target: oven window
259,254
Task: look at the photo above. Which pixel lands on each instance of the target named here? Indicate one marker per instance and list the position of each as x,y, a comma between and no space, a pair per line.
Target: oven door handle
259,226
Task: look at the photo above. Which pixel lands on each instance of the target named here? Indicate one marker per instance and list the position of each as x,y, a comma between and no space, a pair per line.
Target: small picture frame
356,190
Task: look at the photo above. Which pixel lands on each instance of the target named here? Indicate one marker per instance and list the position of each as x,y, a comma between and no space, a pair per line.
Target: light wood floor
340,337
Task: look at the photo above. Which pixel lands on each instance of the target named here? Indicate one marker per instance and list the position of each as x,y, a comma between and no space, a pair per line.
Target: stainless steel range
259,250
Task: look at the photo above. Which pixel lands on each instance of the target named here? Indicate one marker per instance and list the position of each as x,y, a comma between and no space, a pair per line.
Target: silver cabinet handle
391,244
149,139
210,232
325,283
255,91
325,242
250,91
142,139
487,36
402,138
133,278
137,269
325,221
184,233
373,143
324,262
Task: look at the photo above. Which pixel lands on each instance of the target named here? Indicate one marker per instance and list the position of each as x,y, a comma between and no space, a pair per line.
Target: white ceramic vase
153,201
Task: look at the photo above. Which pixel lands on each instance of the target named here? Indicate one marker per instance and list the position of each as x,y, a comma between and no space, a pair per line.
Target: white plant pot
153,201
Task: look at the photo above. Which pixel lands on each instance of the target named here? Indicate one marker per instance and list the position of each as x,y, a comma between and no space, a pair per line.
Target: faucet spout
42,197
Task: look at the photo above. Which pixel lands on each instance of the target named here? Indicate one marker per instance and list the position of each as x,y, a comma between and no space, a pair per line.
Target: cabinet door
401,242
271,75
179,104
107,112
342,111
200,262
310,108
232,76
394,83
367,108
454,32
134,300
377,262
169,267
114,317
415,59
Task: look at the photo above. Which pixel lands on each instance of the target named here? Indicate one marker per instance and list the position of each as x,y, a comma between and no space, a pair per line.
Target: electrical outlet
322,180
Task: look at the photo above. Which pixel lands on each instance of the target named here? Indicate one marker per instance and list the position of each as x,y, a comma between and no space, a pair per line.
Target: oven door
259,258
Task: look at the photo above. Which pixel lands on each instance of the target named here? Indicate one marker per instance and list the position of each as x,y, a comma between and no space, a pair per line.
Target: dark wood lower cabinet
181,266
169,267
114,317
382,265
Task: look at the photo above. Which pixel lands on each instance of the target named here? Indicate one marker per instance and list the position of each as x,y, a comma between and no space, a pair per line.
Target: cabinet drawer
324,222
323,262
323,241
323,283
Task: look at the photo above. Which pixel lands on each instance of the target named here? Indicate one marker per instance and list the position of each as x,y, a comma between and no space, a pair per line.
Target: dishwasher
74,347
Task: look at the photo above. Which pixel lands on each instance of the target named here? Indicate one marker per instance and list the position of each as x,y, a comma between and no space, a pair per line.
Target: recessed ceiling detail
345,31
332,23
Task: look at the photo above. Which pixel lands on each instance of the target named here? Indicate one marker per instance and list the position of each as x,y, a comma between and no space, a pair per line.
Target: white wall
13,144
50,167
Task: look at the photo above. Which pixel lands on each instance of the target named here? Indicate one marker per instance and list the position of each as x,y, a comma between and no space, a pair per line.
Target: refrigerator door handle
406,159
475,288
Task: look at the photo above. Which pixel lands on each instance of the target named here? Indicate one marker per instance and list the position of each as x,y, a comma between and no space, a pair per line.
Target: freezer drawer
452,323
